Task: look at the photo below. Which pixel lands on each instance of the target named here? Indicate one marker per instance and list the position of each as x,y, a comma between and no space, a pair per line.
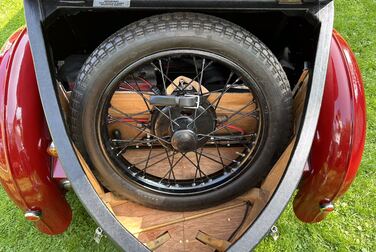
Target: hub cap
184,141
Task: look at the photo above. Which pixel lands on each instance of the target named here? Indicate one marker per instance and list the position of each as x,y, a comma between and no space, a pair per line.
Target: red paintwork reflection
339,142
24,163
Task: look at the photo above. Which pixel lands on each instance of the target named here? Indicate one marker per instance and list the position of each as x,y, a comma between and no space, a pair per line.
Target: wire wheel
181,111
192,126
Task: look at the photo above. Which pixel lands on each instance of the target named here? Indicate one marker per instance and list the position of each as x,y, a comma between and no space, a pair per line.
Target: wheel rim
161,154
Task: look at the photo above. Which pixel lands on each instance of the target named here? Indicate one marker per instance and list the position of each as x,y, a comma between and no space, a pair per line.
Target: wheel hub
184,140
186,128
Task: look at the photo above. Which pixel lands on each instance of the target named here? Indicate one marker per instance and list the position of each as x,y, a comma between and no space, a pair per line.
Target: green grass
351,227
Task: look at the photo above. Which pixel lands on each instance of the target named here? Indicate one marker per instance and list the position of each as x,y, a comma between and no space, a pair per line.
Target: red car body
26,168
340,136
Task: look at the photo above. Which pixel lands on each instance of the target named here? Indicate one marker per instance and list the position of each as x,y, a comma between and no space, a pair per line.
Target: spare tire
181,111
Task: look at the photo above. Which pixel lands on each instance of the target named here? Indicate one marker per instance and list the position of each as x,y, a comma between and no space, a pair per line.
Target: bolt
66,184
33,215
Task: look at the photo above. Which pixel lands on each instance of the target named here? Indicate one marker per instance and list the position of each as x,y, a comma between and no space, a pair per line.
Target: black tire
181,30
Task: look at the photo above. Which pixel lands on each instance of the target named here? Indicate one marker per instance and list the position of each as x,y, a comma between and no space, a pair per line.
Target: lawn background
352,227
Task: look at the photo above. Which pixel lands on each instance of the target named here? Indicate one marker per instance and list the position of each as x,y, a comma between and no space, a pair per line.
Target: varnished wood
159,241
185,218
215,243
93,180
300,97
264,193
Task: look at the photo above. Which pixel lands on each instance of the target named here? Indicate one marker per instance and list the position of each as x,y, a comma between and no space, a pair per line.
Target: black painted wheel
181,111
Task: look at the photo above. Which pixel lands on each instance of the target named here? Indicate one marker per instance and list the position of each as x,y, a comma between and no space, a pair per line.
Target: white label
112,3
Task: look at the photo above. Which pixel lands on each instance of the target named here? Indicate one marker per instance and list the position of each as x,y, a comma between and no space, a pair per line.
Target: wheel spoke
148,159
171,166
230,137
197,166
135,127
139,141
198,160
210,106
150,144
164,77
229,123
194,62
206,154
139,91
227,88
171,169
219,154
126,115
156,162
163,113
114,119
198,75
245,146
130,142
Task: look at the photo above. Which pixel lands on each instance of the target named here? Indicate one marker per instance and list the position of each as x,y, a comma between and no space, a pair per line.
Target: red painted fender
25,166
339,142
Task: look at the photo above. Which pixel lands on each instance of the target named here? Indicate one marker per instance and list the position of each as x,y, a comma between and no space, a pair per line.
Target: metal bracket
186,101
98,235
274,233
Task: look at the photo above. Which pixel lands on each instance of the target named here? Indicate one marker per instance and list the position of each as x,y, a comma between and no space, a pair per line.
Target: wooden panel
267,189
147,224
219,222
129,102
300,93
93,180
